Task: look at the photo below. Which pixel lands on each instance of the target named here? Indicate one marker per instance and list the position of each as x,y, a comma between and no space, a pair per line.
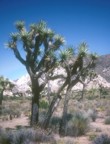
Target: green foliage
20,25
92,136
5,83
55,120
78,125
82,49
66,54
43,104
39,42
5,137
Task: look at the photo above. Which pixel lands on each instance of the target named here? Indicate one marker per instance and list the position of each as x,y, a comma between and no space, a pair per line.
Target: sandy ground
98,124
23,121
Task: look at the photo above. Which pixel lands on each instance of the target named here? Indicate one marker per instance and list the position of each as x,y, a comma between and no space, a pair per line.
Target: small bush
42,116
55,120
98,130
92,136
108,112
69,117
102,139
107,120
14,112
78,125
23,136
54,123
43,104
92,114
5,137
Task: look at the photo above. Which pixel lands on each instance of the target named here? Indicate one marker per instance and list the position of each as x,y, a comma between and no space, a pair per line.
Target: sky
76,20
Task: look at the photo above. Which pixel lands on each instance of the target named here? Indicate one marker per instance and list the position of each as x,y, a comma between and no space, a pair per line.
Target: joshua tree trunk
1,99
51,109
83,92
35,102
53,106
63,123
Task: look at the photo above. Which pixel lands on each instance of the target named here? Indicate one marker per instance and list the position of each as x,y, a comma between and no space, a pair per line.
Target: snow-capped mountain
22,85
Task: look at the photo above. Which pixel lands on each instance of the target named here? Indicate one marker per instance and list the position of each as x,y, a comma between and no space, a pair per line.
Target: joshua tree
40,45
4,84
74,68
102,91
85,79
75,71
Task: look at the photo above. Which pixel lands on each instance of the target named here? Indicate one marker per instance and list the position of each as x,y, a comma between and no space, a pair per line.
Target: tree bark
51,109
35,101
1,99
83,92
53,105
63,123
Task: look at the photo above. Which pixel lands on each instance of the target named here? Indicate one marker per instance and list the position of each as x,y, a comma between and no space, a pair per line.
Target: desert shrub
78,125
108,112
43,104
92,114
19,127
70,142
69,116
92,136
54,123
12,112
23,136
42,116
64,141
5,137
98,130
55,120
102,139
107,120
13,109
31,135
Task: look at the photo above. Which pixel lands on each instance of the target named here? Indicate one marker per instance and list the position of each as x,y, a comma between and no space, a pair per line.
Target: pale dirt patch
100,125
23,121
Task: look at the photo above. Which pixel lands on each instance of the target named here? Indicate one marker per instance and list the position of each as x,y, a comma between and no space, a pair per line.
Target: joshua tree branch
18,56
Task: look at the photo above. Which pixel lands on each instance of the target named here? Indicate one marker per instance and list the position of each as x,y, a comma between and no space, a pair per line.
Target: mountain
103,78
22,85
103,67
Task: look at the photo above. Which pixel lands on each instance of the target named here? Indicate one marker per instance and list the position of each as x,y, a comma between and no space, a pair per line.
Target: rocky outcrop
103,67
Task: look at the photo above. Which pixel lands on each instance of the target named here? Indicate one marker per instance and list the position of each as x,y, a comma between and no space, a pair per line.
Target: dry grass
97,127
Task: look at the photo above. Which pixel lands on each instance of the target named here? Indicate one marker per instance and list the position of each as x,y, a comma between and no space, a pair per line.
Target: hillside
103,66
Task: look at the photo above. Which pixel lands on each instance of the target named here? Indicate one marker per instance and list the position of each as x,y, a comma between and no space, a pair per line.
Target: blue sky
76,20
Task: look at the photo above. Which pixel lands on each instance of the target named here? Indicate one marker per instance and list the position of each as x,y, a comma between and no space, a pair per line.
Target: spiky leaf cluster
39,42
82,49
66,54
